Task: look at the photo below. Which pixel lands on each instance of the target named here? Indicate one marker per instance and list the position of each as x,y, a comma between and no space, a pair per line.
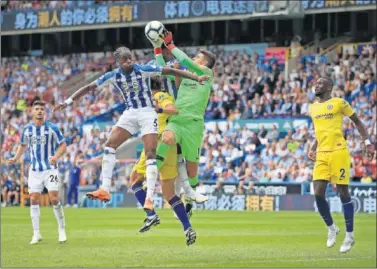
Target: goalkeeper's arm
160,60
181,56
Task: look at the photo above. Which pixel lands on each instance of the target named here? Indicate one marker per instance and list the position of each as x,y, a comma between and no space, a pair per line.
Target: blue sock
140,195
324,210
179,209
348,213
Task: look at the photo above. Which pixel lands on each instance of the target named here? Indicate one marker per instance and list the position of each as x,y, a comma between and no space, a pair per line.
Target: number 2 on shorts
53,178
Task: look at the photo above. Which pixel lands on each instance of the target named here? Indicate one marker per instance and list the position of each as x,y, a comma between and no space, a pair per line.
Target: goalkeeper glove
168,40
156,44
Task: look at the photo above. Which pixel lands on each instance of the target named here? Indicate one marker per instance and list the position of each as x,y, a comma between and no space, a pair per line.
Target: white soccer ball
154,30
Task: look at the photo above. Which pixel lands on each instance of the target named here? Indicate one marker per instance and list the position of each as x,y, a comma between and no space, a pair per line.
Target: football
154,30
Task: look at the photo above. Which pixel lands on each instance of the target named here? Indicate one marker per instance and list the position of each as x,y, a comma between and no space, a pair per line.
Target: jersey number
342,173
53,178
155,123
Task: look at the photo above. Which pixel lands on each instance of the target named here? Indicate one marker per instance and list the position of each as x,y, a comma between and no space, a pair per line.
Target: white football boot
331,236
347,244
62,236
37,237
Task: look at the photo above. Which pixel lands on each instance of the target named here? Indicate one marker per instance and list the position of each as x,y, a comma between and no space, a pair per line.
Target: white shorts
38,180
135,119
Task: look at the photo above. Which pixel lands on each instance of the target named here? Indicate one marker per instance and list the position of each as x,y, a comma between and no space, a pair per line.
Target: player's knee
134,178
34,200
54,200
150,154
168,138
110,144
343,193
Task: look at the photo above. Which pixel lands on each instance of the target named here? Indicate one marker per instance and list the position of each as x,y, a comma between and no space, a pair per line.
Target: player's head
206,58
123,56
39,111
155,85
166,53
323,87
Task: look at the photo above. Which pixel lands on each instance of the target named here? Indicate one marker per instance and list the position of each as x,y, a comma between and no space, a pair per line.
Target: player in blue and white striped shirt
46,145
132,81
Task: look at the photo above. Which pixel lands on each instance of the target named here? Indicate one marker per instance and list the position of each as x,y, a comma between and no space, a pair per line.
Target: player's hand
158,43
201,79
177,65
370,151
59,107
12,160
53,160
168,38
312,155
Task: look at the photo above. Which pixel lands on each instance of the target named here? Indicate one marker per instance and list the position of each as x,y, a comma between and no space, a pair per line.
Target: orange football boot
99,194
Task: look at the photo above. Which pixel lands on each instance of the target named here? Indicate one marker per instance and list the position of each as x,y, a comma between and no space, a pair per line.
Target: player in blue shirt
74,180
132,81
46,146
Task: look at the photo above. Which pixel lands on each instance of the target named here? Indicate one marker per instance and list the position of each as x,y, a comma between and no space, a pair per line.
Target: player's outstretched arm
106,78
76,96
364,133
177,80
160,60
181,56
20,150
183,74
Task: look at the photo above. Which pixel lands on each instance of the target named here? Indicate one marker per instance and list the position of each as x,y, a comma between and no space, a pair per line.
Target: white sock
108,163
349,234
35,213
151,176
59,215
182,176
332,227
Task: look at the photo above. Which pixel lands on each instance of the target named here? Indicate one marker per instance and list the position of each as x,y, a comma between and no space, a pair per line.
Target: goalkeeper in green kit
187,127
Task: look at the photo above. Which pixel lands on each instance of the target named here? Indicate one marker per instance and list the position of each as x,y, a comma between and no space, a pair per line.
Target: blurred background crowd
246,87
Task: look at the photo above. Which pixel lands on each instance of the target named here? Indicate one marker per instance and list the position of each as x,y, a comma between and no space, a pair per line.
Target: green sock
193,181
162,150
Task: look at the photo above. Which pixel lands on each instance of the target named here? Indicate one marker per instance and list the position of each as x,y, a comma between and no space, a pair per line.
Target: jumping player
332,158
164,107
130,80
171,85
46,145
187,127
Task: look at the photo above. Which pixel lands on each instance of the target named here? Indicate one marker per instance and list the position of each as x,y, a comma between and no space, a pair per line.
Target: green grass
109,238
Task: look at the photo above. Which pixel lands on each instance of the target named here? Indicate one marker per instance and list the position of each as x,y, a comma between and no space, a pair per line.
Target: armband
69,101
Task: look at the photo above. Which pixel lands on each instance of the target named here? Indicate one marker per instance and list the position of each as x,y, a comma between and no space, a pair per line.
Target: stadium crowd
245,88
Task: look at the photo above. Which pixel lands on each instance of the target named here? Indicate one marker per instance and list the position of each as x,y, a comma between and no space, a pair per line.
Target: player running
46,146
130,79
187,127
332,158
171,85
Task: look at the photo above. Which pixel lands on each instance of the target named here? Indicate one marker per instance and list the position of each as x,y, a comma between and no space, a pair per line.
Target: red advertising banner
278,54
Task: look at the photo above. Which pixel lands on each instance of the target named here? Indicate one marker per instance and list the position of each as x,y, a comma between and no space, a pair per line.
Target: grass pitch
109,238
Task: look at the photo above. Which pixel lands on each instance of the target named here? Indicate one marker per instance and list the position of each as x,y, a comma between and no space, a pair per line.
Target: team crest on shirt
329,107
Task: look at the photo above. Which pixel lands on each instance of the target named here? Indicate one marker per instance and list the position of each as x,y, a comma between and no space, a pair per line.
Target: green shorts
189,134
